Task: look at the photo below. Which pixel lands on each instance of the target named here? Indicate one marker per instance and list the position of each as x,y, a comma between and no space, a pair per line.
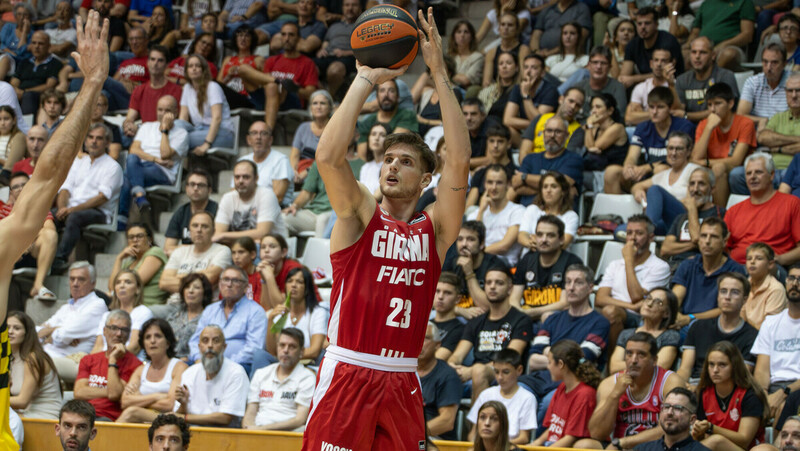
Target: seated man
102,376
547,28
731,25
213,391
274,169
501,327
636,65
732,289
98,117
312,31
170,429
90,195
475,116
763,94
662,66
532,97
448,327
705,73
250,210
441,387
75,427
34,143
628,402
143,102
73,328
335,58
36,74
154,158
133,71
203,255
468,260
52,104
579,323
236,13
789,437
776,346
63,37
539,278
627,280
649,143
695,280
781,231
569,108
280,394
498,144
242,320
398,119
500,216
677,419
600,81
198,189
723,139
43,249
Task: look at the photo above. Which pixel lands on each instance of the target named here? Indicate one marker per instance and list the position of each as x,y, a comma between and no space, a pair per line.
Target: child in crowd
767,295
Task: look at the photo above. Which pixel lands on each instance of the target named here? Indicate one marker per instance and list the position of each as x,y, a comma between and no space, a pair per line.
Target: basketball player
20,228
386,261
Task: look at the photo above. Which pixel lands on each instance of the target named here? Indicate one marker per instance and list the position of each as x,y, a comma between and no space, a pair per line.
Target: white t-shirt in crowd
149,137
275,167
521,409
278,401
184,260
642,90
497,225
239,215
226,393
215,97
139,315
533,213
311,323
653,273
779,338
370,175
680,188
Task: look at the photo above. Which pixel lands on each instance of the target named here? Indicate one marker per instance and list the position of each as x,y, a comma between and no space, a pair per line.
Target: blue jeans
198,133
738,183
662,208
139,175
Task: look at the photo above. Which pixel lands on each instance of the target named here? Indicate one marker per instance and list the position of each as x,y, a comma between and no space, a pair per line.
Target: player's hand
624,380
378,75
92,54
431,44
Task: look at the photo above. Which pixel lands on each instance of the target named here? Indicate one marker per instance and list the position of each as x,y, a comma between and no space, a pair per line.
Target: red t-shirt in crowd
94,367
280,278
5,210
145,99
135,69
775,222
301,70
719,144
176,68
569,413
23,166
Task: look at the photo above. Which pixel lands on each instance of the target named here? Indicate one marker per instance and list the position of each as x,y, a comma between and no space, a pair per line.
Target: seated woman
767,294
463,48
658,312
492,428
623,34
732,409
304,314
426,98
196,294
555,198
569,57
151,387
509,43
495,95
127,296
35,388
492,21
306,138
371,170
12,140
203,45
573,402
604,137
147,260
662,193
158,26
239,92
274,267
243,254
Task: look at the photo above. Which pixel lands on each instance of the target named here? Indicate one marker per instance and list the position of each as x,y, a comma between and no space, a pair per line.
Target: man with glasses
102,376
678,412
274,168
133,71
242,320
777,345
198,189
733,289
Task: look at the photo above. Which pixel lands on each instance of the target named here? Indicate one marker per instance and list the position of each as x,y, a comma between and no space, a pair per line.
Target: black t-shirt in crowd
705,332
751,405
451,331
489,261
790,408
640,55
179,224
542,285
440,388
488,336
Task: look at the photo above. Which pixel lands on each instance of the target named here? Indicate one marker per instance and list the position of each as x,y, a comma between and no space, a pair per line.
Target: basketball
385,36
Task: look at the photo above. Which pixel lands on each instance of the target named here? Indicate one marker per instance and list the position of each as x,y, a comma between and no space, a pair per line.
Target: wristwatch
710,429
615,442
787,391
524,177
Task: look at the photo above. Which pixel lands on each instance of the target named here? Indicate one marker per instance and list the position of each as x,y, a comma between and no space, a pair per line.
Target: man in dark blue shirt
678,412
441,388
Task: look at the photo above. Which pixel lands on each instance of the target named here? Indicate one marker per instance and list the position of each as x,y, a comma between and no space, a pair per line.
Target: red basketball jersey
383,287
634,417
730,418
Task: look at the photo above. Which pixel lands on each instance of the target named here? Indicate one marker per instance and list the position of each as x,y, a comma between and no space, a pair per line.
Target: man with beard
691,85
569,107
469,261
280,394
213,391
396,119
662,65
75,427
789,436
628,402
168,433
678,412
198,190
501,327
777,345
531,97
274,168
102,376
498,143
475,117
145,97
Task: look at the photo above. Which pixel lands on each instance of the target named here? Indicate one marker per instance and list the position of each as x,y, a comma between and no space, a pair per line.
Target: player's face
193,293
16,332
497,286
155,343
730,295
473,117
677,152
758,263
468,244
80,284
488,423
242,257
401,173
244,179
702,55
271,251
116,331
74,432
677,417
289,351
156,63
125,288
547,240
296,286
637,358
506,374
201,229
167,438
96,143
790,436
719,367
446,297
793,94
759,179
577,287
496,185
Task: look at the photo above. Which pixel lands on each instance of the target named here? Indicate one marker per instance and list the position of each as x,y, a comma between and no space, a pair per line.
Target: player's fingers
104,31
422,22
79,30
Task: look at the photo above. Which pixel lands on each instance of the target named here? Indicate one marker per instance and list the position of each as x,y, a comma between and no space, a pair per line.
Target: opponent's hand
431,44
92,54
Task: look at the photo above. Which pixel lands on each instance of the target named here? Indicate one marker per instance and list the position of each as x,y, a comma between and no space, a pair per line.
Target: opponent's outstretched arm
19,229
451,198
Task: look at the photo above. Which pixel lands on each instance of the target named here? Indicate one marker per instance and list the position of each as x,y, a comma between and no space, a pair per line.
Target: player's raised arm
449,207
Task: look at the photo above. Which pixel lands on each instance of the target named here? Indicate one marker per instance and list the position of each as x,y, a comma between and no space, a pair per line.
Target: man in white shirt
72,329
89,195
249,210
627,280
213,391
9,97
274,168
280,394
155,156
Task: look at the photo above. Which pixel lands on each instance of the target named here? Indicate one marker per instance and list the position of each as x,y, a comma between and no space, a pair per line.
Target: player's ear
426,179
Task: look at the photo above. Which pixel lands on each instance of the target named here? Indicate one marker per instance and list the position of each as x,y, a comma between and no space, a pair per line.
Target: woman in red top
732,408
241,93
243,254
567,417
274,267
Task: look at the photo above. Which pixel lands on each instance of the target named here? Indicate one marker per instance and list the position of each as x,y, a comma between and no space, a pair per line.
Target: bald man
36,74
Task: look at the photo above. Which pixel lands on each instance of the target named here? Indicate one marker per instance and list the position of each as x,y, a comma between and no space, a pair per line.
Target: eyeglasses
653,301
138,236
116,330
16,187
792,279
197,185
789,29
675,408
262,134
228,280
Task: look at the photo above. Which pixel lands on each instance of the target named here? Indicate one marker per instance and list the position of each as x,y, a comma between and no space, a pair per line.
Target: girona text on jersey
390,245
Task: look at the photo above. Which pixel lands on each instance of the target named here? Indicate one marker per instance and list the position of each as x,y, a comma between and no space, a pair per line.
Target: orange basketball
385,36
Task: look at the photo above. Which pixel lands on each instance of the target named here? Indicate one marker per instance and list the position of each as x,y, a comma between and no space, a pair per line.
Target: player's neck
400,209
445,316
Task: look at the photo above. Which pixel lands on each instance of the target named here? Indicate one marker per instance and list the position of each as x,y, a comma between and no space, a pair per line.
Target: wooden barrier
40,435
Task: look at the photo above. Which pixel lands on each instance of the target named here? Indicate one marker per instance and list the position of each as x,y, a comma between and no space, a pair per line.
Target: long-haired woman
304,314
492,428
35,388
